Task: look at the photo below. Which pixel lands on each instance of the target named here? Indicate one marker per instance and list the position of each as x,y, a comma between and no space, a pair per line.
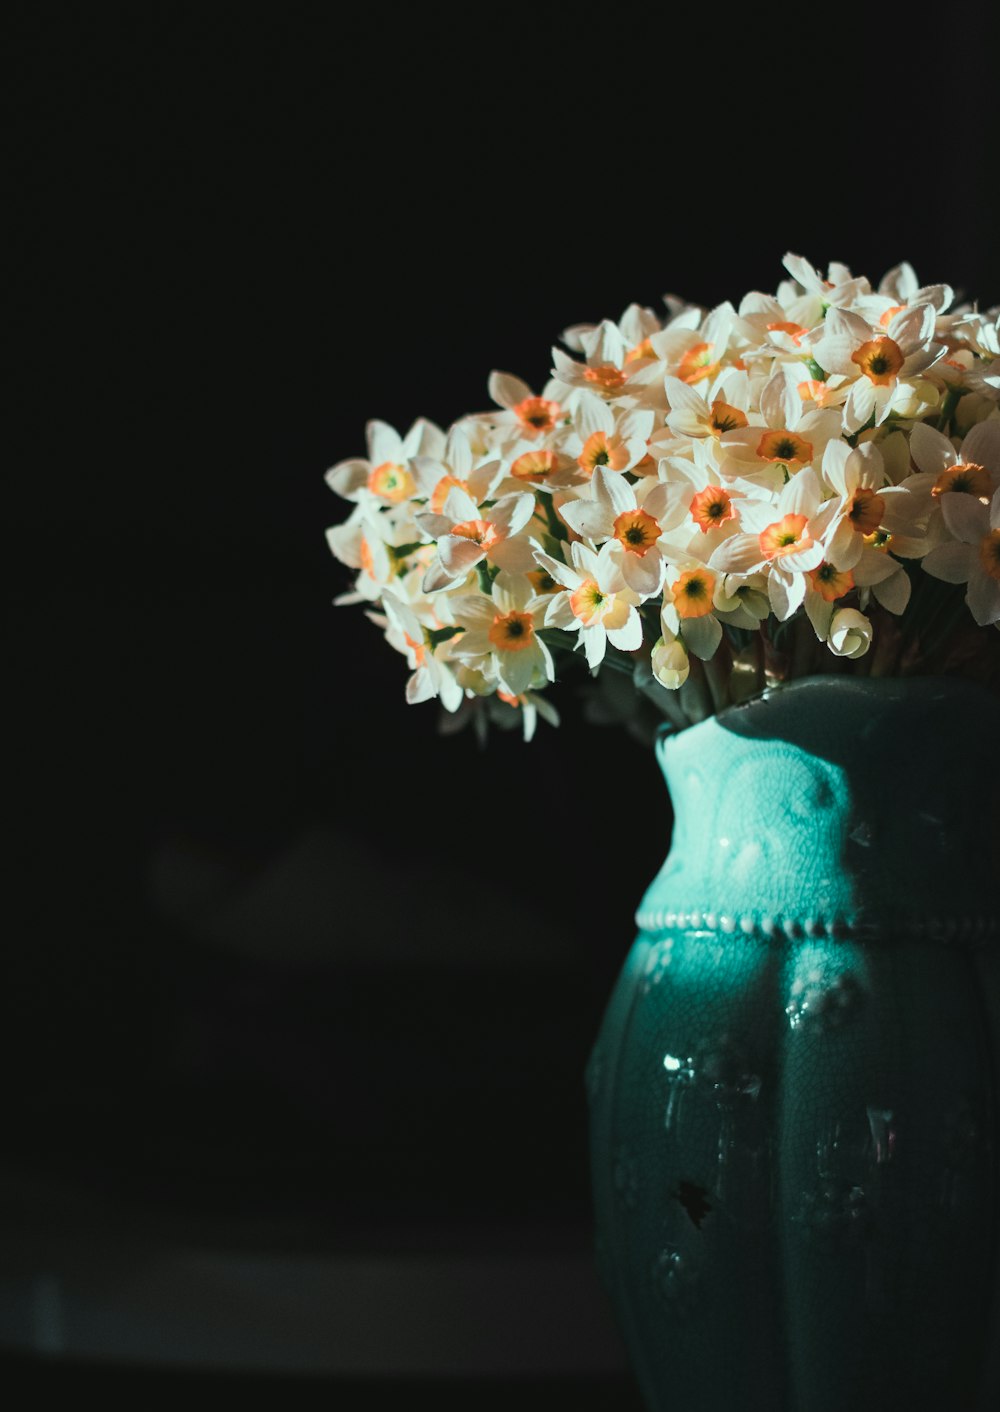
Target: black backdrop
233,244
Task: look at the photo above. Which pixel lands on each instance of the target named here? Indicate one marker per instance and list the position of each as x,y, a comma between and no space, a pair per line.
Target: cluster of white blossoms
687,482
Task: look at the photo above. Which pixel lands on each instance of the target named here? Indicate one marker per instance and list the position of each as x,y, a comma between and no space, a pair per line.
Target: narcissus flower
974,555
596,601
504,629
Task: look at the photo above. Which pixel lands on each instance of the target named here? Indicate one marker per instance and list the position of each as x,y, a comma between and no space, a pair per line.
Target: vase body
794,1125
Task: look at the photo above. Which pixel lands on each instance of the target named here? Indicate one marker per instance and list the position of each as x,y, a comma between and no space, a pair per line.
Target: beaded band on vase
963,929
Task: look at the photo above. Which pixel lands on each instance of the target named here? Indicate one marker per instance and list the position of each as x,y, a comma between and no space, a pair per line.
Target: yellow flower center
831,583
534,465
785,536
725,418
712,507
512,632
879,540
968,477
880,360
989,553
391,482
637,531
692,593
537,415
696,364
602,450
866,510
786,447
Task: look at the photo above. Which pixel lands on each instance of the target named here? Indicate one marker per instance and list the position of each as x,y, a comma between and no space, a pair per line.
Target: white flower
596,600
503,629
468,533
880,363
974,556
783,537
614,514
385,477
430,676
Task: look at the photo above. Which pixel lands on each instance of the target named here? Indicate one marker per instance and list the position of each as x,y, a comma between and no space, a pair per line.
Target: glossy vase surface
794,1122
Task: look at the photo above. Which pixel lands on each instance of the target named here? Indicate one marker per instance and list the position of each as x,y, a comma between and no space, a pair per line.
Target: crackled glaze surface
794,1091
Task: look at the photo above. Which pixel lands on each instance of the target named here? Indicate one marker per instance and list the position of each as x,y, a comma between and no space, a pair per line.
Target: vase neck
836,805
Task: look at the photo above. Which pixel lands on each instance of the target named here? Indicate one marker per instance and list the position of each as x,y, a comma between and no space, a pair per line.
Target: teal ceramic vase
794,1120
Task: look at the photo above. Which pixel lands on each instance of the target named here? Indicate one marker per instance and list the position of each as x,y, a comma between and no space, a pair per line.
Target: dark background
288,969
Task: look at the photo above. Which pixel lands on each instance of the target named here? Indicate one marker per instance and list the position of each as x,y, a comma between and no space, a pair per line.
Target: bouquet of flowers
697,507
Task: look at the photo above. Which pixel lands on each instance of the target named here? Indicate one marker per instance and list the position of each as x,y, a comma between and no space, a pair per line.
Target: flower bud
670,663
850,633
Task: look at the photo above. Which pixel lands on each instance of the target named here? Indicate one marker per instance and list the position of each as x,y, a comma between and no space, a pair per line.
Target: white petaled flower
879,363
793,435
614,514
430,674
501,633
599,438
467,534
688,611
783,538
525,414
595,600
384,477
974,555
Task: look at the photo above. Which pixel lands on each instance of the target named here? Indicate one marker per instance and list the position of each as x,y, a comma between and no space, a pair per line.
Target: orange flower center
725,418
879,540
641,351
831,583
712,507
968,477
512,632
794,331
812,391
890,314
543,581
602,450
692,593
505,696
786,447
696,364
440,492
589,604
534,465
367,561
605,376
785,536
866,510
391,482
481,532
637,531
537,415
989,553
880,360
